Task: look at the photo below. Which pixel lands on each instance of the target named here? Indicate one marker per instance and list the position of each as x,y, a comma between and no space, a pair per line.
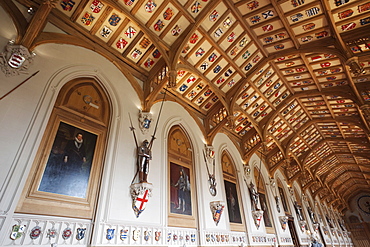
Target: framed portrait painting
180,189
266,211
232,202
68,167
65,177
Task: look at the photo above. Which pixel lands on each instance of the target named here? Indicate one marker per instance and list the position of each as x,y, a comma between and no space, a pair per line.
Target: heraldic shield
217,207
17,231
140,193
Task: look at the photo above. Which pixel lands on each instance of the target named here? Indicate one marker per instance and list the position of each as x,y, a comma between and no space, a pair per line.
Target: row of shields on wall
19,230
138,235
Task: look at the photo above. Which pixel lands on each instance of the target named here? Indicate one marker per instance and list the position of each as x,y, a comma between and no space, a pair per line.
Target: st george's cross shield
140,193
130,32
231,83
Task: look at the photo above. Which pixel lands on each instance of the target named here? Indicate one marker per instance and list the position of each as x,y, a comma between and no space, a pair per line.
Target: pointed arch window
180,180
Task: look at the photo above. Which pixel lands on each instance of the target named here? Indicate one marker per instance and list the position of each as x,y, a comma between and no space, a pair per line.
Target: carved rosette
283,221
257,217
140,193
217,207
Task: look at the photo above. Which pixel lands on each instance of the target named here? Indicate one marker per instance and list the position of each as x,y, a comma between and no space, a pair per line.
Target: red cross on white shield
141,200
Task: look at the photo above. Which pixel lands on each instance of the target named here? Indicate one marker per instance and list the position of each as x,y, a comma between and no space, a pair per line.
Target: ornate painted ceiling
286,78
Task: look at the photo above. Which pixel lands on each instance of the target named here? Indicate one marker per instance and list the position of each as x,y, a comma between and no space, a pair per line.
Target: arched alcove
232,192
181,187
65,176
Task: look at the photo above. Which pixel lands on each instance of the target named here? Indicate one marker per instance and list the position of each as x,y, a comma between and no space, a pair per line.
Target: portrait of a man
67,170
266,212
232,202
180,189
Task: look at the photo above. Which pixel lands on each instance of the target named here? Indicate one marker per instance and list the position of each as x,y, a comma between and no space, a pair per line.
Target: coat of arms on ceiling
15,59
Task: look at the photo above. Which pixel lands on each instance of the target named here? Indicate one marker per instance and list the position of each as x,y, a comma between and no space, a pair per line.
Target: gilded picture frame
57,185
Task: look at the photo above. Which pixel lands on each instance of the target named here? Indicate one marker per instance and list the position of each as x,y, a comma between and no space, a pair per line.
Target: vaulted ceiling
286,78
